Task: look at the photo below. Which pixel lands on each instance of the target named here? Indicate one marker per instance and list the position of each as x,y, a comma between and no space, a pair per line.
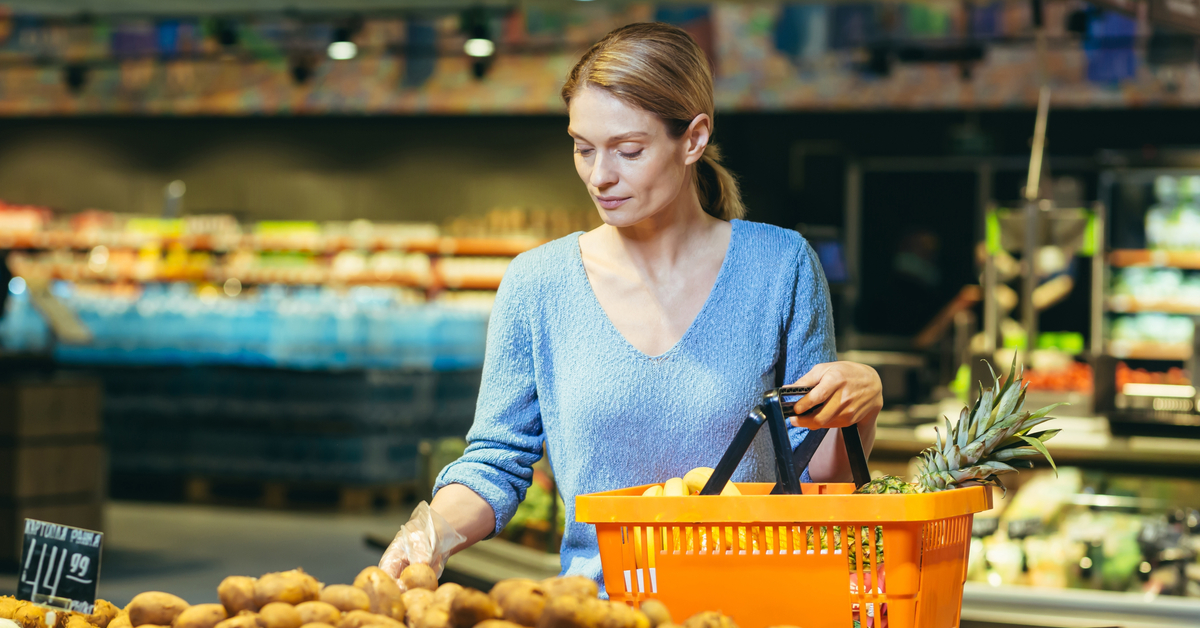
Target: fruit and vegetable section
206,289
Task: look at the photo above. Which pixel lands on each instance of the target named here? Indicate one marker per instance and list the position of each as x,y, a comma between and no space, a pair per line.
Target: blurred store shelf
1146,350
317,243
1189,260
1126,304
1095,448
986,605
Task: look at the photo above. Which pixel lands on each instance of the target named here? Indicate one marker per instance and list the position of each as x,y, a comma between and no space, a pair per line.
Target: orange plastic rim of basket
686,552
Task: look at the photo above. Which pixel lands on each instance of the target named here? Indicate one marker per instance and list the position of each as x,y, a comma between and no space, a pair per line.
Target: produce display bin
769,560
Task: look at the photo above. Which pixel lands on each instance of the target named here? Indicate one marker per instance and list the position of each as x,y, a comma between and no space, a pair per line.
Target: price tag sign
60,566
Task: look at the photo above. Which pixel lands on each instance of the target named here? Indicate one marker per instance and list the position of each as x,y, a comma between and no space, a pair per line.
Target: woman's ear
696,138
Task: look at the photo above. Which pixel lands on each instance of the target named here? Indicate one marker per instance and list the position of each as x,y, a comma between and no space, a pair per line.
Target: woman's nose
603,172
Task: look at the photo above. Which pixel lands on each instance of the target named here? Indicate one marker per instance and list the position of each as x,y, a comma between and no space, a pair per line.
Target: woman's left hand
851,392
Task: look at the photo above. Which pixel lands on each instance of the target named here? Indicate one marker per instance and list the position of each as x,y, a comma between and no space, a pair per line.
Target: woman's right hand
427,538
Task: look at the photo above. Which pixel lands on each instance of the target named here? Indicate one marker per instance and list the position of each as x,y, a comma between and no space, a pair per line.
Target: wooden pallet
284,494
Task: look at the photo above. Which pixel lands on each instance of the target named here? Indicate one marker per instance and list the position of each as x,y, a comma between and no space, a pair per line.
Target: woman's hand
427,538
851,392
852,395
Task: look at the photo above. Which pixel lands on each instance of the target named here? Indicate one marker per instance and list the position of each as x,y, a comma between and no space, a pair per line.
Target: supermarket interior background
250,250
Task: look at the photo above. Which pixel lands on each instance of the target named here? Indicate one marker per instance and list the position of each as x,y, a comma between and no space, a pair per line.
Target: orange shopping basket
795,554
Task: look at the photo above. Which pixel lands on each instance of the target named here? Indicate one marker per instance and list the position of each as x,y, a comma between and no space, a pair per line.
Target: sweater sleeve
506,438
809,328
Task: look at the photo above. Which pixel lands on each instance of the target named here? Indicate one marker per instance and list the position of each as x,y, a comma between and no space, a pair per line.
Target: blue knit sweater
557,371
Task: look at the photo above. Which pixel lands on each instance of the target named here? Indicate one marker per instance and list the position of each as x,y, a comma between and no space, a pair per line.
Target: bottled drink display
293,327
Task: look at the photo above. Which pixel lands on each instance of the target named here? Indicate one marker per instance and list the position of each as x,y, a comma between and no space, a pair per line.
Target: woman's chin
621,217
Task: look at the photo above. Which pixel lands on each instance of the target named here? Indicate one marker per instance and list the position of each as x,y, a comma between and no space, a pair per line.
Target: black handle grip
774,411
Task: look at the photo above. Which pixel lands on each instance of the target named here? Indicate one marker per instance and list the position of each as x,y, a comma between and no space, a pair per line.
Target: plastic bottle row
307,328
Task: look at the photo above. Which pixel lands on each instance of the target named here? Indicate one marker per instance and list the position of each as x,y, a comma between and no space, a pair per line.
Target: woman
634,351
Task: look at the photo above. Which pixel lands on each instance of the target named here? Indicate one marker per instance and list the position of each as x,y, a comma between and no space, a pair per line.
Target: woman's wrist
469,514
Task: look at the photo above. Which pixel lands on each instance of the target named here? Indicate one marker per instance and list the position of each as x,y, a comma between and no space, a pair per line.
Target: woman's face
631,166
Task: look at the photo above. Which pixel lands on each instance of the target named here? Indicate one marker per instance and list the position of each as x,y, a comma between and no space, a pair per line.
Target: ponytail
717,187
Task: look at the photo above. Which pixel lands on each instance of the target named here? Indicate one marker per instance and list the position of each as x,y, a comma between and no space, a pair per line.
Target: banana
653,491
674,488
696,479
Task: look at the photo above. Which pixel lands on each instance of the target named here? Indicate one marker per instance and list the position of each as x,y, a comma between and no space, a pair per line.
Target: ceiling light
342,50
479,47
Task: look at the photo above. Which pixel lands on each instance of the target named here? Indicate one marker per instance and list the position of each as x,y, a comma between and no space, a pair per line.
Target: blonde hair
659,68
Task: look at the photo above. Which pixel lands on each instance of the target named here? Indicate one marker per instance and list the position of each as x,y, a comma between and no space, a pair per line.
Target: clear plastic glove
426,538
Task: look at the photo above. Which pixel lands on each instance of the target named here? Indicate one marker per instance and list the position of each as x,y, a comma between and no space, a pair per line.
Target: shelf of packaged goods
469,283
1171,455
1141,350
1124,304
304,243
1189,260
310,275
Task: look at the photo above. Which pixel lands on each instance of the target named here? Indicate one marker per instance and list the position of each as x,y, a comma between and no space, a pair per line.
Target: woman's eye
630,155
583,152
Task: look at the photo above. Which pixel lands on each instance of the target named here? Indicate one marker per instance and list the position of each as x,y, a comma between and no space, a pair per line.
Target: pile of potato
294,599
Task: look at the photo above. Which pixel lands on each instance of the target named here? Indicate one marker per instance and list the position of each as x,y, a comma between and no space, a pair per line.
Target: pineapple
990,439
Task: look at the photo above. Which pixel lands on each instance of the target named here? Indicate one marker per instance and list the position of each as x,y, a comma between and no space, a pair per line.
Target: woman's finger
819,394
837,412
814,375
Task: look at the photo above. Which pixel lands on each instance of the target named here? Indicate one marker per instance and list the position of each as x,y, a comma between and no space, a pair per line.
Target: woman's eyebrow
627,136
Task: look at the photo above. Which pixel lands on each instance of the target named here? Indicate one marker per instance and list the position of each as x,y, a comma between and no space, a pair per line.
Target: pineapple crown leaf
1044,436
1014,453
1041,447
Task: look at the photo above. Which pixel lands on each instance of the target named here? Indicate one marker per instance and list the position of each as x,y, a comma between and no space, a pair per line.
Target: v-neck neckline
721,272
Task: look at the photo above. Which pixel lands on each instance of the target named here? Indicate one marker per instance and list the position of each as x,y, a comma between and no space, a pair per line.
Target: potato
470,607
620,615
416,602
497,623
445,594
291,587
383,592
709,619
244,619
419,576
29,616
317,612
434,617
103,612
656,612
570,611
279,615
317,625
120,621
155,607
73,620
521,601
237,594
578,586
358,619
201,616
9,605
346,598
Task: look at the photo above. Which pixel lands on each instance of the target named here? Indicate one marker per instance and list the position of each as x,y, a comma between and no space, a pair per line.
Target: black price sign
59,566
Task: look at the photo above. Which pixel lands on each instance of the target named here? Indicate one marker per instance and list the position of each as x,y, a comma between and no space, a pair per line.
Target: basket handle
788,463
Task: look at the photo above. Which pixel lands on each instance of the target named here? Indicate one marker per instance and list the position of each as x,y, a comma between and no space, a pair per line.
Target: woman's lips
611,202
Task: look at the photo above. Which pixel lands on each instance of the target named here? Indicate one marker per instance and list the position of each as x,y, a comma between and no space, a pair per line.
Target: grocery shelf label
60,566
